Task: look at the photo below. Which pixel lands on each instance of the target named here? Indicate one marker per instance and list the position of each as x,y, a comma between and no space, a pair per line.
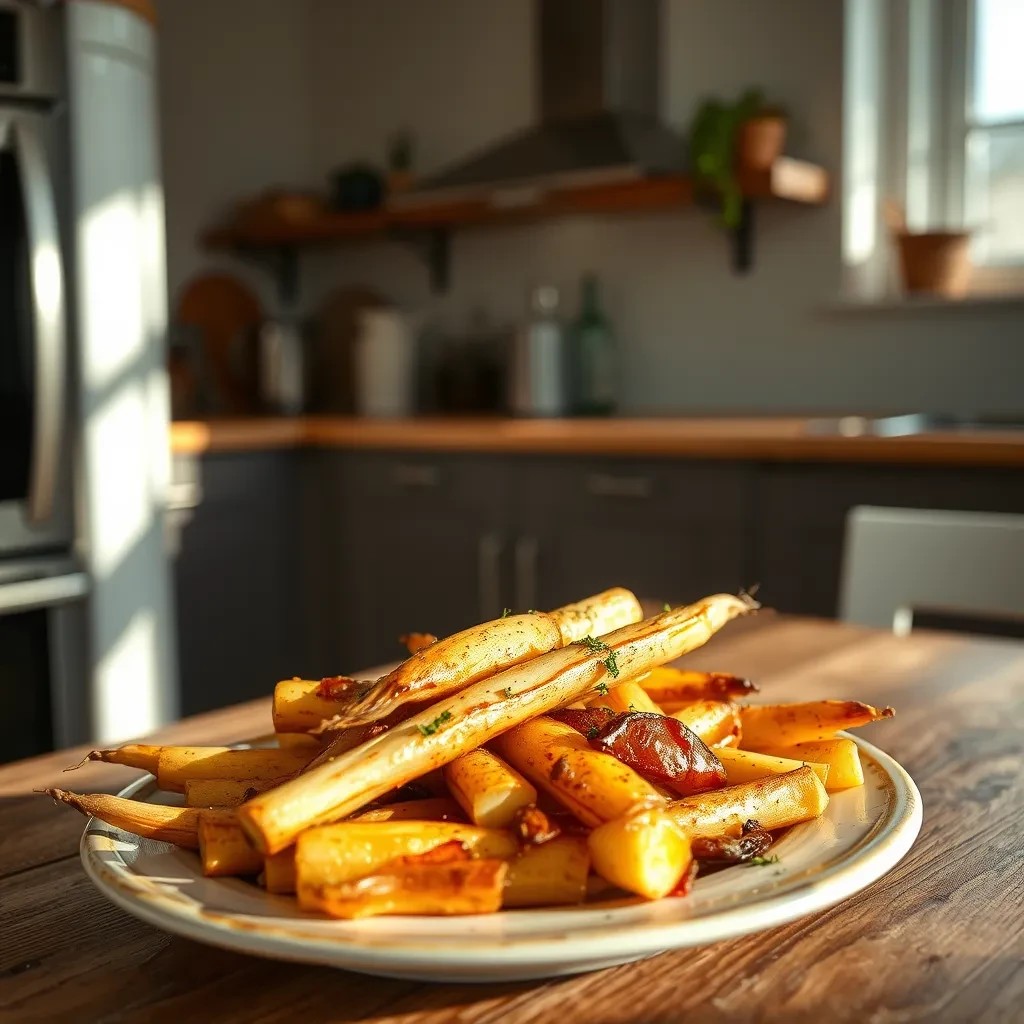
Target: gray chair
897,561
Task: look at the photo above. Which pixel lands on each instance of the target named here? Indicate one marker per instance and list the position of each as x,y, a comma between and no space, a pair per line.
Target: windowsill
842,306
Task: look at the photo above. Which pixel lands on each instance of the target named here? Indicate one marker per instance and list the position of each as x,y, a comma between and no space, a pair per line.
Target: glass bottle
537,375
594,355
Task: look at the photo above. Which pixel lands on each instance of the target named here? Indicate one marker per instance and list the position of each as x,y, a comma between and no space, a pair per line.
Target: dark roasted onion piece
732,849
662,750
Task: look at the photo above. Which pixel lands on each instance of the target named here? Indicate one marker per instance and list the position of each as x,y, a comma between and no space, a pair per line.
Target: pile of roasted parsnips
534,760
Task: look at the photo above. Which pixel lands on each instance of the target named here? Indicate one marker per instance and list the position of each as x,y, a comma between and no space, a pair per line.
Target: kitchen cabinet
436,543
314,562
237,574
666,529
801,513
412,543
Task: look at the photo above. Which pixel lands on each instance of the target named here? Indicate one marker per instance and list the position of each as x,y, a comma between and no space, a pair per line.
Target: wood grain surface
940,938
771,438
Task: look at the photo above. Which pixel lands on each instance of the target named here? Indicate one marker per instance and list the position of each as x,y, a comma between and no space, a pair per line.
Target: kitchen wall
236,114
296,89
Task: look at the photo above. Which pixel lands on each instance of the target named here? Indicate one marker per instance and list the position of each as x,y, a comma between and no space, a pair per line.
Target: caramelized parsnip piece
441,890
260,767
490,791
595,786
774,802
177,825
782,725
645,852
714,721
552,874
674,686
626,697
223,848
279,872
839,754
134,755
746,766
335,854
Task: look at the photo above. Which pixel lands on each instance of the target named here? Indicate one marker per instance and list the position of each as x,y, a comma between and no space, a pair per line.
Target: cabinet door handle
407,474
606,485
489,575
526,555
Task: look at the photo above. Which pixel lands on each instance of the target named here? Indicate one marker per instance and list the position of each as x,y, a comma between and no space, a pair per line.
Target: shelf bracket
433,246
743,240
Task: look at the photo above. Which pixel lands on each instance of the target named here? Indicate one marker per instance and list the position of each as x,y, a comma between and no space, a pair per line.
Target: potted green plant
728,137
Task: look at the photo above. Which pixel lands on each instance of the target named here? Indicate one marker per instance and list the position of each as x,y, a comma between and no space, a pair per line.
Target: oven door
42,650
35,492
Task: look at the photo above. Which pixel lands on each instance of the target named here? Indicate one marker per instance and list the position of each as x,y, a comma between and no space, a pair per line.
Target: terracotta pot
760,142
935,262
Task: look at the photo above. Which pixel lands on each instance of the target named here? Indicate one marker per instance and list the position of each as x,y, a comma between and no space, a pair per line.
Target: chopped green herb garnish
632,707
666,607
506,612
507,691
429,730
531,611
592,732
612,664
591,644
762,862
602,688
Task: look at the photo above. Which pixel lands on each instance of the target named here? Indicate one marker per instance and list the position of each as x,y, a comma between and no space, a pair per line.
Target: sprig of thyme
429,730
506,612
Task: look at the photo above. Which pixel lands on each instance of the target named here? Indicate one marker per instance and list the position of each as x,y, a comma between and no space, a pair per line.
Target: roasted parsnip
630,696
645,852
440,890
671,687
335,854
782,725
747,766
178,825
550,874
487,789
335,788
259,767
448,665
223,847
716,722
839,754
774,802
134,755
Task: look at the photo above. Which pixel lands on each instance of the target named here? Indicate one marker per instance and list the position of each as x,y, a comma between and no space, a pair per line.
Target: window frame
910,62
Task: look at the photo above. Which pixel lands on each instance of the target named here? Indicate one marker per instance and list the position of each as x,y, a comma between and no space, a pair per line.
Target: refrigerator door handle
26,595
46,276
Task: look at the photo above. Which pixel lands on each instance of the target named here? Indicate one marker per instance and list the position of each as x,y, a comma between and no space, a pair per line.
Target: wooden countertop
933,940
772,439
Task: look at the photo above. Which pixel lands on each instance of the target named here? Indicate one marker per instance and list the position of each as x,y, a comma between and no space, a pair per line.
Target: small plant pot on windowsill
935,262
760,142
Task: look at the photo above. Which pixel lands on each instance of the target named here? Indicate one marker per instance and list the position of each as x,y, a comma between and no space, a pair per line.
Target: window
934,120
992,139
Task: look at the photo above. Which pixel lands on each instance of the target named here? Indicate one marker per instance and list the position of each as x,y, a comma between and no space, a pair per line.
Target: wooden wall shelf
429,225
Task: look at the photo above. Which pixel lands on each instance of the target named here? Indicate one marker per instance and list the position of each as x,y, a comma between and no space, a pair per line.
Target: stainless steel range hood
598,75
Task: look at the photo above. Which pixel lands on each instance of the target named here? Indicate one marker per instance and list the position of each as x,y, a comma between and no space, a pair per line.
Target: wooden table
940,938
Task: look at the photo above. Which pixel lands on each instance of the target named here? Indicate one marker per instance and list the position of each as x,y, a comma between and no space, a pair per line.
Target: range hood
597,86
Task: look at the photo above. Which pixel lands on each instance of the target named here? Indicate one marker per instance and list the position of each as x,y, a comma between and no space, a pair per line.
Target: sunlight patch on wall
125,699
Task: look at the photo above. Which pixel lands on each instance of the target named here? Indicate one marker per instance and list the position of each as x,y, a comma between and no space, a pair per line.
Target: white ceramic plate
864,833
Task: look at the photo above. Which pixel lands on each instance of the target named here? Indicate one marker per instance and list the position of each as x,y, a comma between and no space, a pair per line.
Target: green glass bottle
594,356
